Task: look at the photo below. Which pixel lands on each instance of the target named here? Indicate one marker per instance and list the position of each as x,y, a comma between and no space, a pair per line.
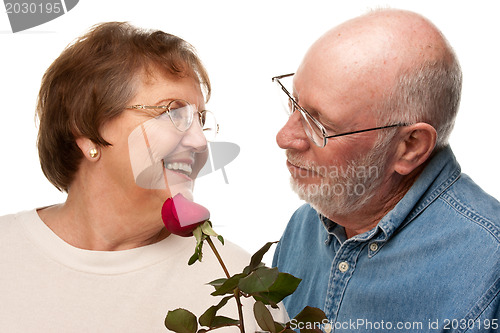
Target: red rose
182,216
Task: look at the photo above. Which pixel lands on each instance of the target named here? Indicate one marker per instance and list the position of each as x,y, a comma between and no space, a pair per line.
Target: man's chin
303,190
315,201
306,181
325,201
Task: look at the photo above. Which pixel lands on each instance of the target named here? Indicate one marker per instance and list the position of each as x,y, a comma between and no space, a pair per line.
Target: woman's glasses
181,113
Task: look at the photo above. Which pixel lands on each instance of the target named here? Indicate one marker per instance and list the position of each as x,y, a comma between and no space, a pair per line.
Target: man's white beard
349,188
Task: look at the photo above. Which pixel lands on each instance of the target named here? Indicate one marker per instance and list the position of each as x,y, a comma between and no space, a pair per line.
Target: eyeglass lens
181,114
312,130
208,124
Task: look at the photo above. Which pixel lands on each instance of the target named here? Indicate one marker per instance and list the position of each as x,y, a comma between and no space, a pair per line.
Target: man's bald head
395,65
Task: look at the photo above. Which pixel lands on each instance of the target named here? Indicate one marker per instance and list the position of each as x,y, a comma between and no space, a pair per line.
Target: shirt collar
439,174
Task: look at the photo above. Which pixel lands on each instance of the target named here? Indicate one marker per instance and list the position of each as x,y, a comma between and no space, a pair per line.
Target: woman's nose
194,137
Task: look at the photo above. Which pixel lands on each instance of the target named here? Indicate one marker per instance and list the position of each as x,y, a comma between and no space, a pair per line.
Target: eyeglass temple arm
277,79
366,130
144,107
282,76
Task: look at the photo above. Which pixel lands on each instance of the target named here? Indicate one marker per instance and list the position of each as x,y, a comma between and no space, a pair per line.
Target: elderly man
393,237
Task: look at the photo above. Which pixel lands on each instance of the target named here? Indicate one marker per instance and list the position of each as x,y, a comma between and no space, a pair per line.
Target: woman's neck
92,220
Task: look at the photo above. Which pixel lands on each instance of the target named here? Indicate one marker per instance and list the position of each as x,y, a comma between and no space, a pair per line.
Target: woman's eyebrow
164,101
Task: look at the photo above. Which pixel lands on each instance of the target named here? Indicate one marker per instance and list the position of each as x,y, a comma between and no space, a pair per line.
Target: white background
243,44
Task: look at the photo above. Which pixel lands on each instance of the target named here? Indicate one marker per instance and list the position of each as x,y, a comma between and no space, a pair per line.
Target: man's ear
89,149
416,145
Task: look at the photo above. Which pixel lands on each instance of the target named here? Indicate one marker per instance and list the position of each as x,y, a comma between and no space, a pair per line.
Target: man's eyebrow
328,124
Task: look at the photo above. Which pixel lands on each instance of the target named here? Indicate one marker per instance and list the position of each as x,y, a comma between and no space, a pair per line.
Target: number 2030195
469,324
33,8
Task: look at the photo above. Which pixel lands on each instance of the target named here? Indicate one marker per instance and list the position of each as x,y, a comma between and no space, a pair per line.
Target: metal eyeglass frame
167,110
316,122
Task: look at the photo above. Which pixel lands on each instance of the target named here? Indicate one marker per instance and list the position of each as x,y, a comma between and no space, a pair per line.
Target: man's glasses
313,128
181,113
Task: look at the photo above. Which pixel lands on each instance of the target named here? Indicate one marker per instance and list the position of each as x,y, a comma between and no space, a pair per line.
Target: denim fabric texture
432,264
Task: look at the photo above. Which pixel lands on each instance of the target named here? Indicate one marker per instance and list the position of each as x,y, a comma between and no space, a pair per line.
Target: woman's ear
415,147
89,149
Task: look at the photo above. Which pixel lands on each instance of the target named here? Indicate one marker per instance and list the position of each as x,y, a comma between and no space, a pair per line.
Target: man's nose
293,135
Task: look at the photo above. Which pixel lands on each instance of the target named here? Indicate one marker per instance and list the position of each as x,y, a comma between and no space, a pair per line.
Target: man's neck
390,193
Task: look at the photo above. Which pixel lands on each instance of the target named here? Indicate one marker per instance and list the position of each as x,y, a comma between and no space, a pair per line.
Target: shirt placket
341,271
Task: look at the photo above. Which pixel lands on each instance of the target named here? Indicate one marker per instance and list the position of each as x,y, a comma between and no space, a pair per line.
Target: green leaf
181,321
221,321
193,258
228,286
280,327
285,285
256,259
198,253
221,239
198,235
264,317
206,228
259,280
217,282
266,300
311,315
208,317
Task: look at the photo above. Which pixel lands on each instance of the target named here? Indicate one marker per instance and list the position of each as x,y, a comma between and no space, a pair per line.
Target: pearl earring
93,152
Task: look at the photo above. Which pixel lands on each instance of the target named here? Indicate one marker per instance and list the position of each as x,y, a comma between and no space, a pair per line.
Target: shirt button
374,247
343,266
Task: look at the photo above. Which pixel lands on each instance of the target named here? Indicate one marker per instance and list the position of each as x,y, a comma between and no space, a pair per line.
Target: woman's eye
161,115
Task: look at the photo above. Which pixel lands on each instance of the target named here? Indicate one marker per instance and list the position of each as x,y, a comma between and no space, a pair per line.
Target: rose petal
182,216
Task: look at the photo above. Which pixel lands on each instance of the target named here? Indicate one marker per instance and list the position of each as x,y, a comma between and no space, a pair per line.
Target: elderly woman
122,126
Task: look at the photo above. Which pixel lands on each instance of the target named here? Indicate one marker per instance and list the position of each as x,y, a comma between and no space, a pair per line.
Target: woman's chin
186,191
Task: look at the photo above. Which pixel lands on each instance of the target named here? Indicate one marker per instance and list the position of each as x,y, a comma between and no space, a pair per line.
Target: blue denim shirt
432,264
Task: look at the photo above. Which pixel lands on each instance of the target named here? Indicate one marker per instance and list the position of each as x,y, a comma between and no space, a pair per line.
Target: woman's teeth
179,166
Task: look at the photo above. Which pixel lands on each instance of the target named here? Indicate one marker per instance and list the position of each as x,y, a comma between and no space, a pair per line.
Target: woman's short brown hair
92,81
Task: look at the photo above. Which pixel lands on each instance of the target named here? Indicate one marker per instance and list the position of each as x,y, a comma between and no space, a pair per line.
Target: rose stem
236,291
212,246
